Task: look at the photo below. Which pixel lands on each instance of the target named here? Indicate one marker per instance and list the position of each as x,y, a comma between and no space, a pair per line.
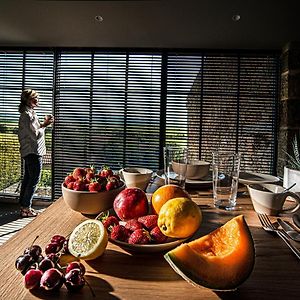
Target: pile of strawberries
89,179
143,230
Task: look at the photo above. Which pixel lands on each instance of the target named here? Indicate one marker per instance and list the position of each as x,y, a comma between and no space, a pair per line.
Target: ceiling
263,24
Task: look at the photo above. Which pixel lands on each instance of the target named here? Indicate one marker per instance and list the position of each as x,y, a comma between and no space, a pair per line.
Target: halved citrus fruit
88,240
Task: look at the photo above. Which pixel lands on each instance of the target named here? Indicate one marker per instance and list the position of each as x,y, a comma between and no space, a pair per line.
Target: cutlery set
286,232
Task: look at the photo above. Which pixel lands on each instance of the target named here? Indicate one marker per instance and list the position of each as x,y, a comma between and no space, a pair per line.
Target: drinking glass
175,165
226,168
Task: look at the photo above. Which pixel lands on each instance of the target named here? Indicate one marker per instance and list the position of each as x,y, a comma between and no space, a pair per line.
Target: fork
269,226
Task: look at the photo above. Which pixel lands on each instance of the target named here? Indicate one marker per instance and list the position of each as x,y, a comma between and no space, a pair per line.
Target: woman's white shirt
31,134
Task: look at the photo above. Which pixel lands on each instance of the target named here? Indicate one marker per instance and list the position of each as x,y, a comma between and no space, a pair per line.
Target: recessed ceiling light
99,18
236,17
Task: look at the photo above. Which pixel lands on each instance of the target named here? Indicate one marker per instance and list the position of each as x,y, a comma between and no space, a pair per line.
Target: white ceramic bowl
136,177
196,169
90,203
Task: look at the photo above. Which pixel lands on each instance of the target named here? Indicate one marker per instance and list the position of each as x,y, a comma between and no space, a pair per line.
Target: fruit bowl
90,203
139,248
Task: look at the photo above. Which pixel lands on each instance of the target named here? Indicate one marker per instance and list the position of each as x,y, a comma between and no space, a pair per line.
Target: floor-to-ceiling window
121,107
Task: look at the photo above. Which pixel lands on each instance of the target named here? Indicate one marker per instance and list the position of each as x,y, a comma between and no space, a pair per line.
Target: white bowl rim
147,171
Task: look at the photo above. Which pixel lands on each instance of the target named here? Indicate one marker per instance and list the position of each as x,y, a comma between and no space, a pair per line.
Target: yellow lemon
179,218
88,240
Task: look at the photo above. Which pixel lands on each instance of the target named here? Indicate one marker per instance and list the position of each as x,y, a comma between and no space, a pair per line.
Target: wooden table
121,275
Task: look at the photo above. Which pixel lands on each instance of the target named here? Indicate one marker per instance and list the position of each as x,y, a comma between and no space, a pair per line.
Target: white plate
252,178
148,248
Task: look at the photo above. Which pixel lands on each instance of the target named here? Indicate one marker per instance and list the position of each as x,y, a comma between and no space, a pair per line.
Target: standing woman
32,148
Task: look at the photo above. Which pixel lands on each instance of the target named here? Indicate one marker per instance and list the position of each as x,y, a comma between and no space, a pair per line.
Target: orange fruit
179,218
164,194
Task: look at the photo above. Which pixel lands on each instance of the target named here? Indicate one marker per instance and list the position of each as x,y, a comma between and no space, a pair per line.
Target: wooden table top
118,274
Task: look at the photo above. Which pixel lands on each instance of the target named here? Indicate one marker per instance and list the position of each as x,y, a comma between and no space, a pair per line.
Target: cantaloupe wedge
221,260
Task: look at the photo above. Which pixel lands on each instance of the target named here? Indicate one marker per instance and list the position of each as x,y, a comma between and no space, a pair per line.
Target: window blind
20,70
121,107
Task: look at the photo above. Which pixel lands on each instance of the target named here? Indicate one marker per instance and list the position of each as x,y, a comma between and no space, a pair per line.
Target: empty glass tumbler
226,168
175,165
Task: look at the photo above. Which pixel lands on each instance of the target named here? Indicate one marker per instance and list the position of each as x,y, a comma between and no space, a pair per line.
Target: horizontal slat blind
115,107
225,101
107,111
19,70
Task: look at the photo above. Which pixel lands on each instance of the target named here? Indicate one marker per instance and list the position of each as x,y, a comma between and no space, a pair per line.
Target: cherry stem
34,241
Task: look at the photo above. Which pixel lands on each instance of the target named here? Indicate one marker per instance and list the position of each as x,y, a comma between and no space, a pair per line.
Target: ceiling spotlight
236,18
99,18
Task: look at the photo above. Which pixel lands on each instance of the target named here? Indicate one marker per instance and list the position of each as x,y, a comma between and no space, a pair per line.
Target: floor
10,221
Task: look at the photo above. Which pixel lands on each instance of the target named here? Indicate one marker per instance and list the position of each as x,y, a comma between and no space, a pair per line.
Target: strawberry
71,185
79,185
109,222
149,221
106,172
69,178
79,173
89,176
139,236
110,186
133,225
91,169
94,186
157,236
120,233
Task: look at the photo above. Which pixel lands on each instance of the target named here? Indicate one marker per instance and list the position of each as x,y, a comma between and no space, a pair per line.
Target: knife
291,232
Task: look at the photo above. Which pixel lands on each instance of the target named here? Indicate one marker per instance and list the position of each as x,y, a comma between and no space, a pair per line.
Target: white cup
270,198
136,177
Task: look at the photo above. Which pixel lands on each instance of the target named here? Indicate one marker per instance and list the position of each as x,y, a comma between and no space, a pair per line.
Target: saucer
252,178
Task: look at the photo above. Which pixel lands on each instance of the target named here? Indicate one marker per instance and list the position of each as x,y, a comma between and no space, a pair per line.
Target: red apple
131,203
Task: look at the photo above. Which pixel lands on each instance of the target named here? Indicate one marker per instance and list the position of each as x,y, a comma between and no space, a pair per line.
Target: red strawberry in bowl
133,225
71,185
106,172
149,221
69,178
120,233
139,236
79,185
157,236
79,173
94,186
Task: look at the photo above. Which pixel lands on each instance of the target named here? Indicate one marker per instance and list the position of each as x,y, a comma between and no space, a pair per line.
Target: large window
121,108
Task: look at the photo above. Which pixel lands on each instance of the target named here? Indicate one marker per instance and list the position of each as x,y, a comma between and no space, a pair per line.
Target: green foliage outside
10,160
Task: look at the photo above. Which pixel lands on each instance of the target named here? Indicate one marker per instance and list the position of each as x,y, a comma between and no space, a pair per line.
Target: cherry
58,239
46,264
74,280
32,279
23,263
76,265
52,279
53,247
35,251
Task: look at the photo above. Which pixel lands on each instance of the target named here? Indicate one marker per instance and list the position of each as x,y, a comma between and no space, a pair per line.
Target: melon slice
221,260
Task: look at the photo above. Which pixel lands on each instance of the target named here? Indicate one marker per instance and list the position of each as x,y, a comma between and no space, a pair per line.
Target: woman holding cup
31,136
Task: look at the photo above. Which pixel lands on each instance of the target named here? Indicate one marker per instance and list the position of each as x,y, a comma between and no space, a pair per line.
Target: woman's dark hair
25,97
